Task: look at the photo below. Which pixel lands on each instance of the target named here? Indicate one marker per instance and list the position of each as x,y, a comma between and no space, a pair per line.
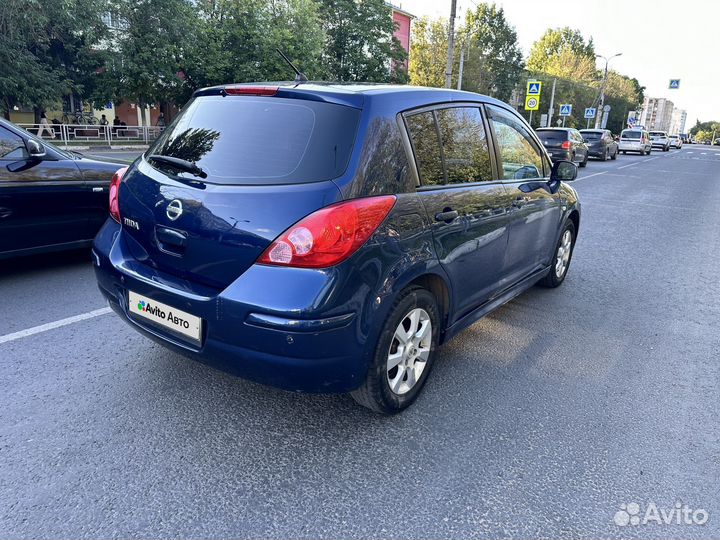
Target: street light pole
600,112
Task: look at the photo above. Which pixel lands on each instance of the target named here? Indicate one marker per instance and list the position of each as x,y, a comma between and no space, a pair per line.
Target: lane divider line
590,175
55,324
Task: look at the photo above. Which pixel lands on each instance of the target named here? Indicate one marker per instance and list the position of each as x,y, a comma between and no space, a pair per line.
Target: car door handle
447,215
98,189
5,212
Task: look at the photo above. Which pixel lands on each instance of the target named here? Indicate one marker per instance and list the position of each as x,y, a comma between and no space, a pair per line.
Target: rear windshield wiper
179,164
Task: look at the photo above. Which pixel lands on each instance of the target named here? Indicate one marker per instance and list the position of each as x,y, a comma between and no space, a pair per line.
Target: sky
659,40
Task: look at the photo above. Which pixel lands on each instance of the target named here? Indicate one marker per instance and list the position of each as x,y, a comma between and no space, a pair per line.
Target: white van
635,140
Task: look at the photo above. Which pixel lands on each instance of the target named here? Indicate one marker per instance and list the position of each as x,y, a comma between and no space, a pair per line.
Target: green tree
428,55
152,48
237,41
49,49
493,63
556,42
360,44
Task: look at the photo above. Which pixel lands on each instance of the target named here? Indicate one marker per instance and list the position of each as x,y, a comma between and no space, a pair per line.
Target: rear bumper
659,144
256,328
632,147
596,151
558,154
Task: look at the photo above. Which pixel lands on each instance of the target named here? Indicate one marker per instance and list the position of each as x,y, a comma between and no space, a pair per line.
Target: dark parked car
49,199
564,144
327,238
600,143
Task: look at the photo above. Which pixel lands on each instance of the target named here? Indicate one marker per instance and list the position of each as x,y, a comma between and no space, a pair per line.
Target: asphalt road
541,420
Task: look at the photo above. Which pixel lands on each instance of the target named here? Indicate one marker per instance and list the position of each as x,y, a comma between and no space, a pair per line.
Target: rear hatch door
266,162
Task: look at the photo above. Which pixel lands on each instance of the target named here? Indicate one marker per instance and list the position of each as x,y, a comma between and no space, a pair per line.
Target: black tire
583,163
606,155
553,280
614,156
624,152
375,392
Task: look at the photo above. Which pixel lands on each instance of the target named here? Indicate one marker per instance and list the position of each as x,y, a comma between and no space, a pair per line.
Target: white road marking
590,175
689,152
703,153
55,324
643,161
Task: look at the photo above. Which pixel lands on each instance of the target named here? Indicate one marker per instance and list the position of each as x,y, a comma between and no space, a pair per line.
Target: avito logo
150,310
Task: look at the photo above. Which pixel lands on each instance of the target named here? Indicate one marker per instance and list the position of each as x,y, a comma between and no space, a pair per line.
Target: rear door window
261,140
450,146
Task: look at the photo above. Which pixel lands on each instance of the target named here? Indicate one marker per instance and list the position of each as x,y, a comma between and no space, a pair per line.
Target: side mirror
563,171
35,149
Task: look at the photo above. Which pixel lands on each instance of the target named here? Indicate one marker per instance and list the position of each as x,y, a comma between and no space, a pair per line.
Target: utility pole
451,44
462,63
598,117
552,103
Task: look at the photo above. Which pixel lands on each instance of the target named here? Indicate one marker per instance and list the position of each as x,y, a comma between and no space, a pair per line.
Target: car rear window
591,135
261,140
553,135
631,135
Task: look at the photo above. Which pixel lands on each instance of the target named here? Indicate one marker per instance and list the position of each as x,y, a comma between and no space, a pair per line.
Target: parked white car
660,139
635,140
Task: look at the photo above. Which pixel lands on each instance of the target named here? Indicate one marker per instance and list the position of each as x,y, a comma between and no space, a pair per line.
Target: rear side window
450,146
261,140
426,147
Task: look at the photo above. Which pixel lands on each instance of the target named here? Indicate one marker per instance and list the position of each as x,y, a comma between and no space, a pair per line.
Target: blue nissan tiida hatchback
328,238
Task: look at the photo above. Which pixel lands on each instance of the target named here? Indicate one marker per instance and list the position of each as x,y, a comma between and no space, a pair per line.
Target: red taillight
566,145
330,235
251,90
114,201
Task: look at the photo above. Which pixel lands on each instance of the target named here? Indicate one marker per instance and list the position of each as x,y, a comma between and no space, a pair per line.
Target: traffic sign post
532,97
674,84
534,88
565,111
589,114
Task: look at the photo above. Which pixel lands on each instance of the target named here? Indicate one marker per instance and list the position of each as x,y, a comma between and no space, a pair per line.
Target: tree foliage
360,44
556,43
429,52
49,49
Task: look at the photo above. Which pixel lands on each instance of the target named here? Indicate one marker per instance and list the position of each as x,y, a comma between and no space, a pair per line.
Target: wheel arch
439,288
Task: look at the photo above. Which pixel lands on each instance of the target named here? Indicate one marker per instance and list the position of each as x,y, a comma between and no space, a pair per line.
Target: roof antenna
299,75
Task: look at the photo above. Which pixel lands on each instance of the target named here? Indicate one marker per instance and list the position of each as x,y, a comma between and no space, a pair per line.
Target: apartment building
677,124
657,114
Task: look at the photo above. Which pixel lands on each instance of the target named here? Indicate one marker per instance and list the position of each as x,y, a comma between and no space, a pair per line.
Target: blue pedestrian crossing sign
674,84
534,88
566,109
590,112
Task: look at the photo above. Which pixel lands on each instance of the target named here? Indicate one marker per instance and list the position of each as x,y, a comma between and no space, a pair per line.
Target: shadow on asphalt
65,260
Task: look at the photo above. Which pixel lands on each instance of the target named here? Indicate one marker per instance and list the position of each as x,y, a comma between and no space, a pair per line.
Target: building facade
657,114
677,124
403,21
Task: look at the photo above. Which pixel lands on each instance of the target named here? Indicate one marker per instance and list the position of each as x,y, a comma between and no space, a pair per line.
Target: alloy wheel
409,351
562,258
